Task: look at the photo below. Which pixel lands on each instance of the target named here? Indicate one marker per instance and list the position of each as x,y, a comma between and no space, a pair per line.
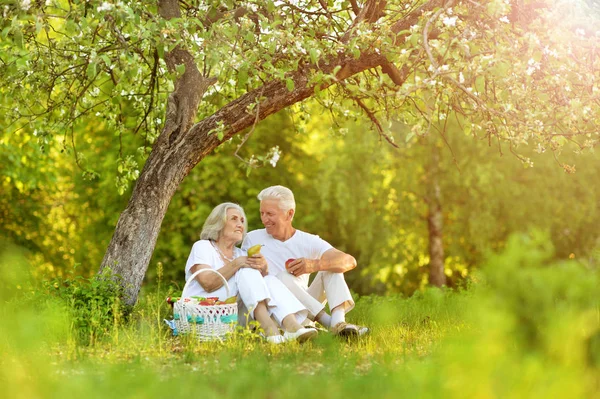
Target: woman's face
234,226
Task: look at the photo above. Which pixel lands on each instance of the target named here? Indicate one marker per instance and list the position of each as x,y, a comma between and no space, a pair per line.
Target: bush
95,304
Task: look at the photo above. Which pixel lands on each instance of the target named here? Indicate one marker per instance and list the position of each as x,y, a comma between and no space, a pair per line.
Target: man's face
275,220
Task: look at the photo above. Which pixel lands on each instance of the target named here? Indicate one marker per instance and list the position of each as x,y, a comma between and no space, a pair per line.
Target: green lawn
527,328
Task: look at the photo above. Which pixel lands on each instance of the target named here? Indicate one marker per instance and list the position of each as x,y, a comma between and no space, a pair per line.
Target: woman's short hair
215,222
281,193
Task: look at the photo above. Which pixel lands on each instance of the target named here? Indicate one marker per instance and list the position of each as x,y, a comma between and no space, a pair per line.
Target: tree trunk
437,277
182,144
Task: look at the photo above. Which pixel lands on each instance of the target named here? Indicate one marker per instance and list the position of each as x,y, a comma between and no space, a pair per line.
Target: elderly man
292,255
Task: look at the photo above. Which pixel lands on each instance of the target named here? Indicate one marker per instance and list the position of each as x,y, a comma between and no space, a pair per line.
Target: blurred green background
354,190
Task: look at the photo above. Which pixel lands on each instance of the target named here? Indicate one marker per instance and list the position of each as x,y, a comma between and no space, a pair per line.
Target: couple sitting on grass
273,284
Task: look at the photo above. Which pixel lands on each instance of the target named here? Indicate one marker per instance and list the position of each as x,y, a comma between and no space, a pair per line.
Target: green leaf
289,83
480,84
314,55
106,60
242,77
180,69
18,34
91,70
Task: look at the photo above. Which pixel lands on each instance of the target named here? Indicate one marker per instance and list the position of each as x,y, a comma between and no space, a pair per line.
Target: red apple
287,262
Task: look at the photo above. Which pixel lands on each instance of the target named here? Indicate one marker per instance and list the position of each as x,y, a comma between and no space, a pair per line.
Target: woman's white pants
254,288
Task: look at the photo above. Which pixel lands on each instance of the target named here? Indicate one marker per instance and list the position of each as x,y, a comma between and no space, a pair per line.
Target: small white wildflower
567,88
504,19
25,4
198,40
530,70
104,7
444,68
461,78
449,21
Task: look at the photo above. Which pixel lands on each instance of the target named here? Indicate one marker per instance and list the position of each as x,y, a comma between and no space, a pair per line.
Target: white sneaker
301,335
276,339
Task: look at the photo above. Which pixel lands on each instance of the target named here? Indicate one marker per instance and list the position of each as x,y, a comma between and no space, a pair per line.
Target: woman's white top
204,253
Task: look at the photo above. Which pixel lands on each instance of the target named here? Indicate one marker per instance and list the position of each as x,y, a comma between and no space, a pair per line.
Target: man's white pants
326,287
254,288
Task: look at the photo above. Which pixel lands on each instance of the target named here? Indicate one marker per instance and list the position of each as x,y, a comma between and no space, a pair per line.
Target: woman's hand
240,262
258,262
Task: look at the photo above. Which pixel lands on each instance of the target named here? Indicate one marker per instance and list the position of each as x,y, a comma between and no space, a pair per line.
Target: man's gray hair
281,193
215,222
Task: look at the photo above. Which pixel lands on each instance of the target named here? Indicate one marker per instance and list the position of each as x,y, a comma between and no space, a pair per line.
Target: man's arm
333,260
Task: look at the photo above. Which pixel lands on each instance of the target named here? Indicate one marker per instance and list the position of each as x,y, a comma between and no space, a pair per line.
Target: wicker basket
206,323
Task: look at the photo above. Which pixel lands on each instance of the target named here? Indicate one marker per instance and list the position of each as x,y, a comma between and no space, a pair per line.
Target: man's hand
258,262
302,266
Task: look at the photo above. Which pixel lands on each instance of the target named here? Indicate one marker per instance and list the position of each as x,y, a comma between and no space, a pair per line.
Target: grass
530,328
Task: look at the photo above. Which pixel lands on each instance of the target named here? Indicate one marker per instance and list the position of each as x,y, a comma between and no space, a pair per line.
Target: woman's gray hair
281,193
215,222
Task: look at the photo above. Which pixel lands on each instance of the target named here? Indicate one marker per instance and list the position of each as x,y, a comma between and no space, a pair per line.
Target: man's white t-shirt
300,245
203,253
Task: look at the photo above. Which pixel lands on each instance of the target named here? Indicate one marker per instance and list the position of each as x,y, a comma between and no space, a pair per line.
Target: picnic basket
205,322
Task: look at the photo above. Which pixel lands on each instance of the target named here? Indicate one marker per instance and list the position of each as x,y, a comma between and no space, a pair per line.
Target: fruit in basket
287,262
253,250
232,299
210,301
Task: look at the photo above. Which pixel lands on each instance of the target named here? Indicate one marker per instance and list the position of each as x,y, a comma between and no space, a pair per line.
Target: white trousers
254,288
326,287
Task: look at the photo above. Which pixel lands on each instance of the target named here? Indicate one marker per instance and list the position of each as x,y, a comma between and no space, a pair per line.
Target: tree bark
182,144
437,277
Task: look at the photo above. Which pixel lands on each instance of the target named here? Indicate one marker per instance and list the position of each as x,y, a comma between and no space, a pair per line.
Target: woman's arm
211,282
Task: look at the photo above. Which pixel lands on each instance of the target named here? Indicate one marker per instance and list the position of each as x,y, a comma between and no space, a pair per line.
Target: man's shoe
301,335
345,330
362,331
276,339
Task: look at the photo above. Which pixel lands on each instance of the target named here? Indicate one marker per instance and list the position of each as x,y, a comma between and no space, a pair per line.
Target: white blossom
25,4
461,78
449,21
504,19
275,157
105,7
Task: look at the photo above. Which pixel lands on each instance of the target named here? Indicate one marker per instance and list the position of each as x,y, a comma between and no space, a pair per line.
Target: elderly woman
264,297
